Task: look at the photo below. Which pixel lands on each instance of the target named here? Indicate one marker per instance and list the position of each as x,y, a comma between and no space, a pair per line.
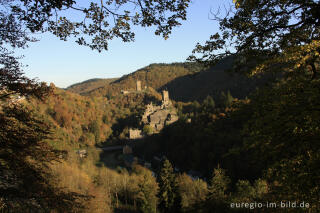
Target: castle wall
135,134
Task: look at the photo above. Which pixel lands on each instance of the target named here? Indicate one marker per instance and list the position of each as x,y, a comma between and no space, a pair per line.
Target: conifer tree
223,99
95,129
147,199
219,184
229,99
167,185
196,106
217,199
209,103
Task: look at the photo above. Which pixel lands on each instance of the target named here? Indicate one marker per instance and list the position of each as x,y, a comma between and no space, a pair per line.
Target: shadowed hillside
213,82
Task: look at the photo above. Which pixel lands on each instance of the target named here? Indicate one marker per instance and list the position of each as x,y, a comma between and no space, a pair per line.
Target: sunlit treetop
261,29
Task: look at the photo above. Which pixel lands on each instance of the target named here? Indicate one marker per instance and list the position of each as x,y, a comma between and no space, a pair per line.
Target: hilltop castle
138,89
157,116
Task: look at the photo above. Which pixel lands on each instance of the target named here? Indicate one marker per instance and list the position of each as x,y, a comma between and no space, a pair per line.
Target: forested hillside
184,81
214,81
69,122
242,133
213,137
154,75
89,85
80,121
271,137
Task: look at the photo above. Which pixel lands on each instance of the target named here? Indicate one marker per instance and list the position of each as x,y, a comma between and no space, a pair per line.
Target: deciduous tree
266,36
26,182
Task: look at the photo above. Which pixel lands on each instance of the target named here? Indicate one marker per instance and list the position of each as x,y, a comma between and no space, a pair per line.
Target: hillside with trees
184,81
215,81
154,76
226,153
80,121
89,85
60,126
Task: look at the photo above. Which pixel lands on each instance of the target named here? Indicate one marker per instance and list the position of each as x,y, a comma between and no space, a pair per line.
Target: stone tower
165,98
138,85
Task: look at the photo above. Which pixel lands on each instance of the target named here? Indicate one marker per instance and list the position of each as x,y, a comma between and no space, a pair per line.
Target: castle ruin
156,116
135,133
159,116
138,89
165,98
138,86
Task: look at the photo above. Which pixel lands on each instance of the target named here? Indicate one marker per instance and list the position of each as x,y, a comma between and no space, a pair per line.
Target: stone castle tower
138,85
165,98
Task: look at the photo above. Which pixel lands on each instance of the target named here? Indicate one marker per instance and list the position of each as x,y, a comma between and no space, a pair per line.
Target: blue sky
65,63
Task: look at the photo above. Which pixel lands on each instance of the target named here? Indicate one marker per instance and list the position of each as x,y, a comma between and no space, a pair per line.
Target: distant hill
185,81
89,85
154,75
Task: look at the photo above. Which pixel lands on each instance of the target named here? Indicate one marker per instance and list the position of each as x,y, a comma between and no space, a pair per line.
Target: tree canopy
266,35
99,21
